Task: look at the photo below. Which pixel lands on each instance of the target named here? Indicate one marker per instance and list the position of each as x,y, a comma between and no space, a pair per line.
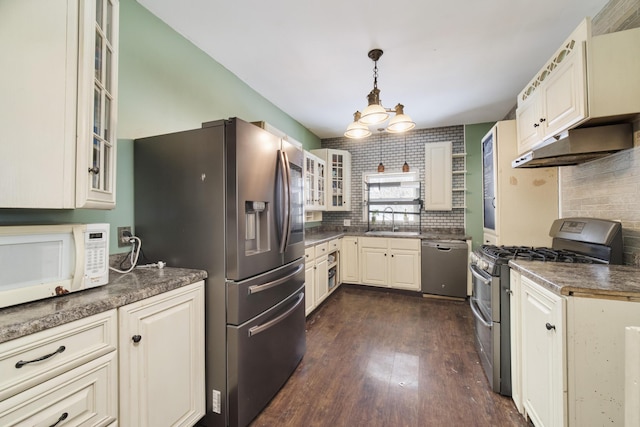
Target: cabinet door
516,340
374,266
350,260
438,178
564,95
528,123
97,104
404,269
162,359
543,355
322,279
309,287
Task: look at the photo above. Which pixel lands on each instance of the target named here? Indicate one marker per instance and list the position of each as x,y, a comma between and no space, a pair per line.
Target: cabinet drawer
61,348
84,396
309,254
409,244
373,242
322,249
334,244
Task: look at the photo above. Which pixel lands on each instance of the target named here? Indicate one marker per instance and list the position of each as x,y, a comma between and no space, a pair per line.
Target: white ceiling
449,62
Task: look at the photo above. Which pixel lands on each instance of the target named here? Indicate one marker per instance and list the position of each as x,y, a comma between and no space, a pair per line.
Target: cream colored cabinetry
587,78
322,272
59,103
393,262
568,355
314,182
543,355
67,375
350,260
161,341
520,196
438,176
338,179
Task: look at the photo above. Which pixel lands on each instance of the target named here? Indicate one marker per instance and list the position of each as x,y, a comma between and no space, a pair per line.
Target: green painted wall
473,214
165,84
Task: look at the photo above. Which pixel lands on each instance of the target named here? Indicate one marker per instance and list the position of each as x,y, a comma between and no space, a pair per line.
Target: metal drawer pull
62,418
259,288
261,328
549,326
21,363
478,315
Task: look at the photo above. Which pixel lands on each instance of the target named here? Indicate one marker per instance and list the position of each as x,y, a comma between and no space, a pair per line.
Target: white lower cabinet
66,374
543,355
568,355
393,263
161,341
322,274
350,260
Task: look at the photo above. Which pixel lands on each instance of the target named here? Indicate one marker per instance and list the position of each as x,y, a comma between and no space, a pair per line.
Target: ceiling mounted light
375,113
357,130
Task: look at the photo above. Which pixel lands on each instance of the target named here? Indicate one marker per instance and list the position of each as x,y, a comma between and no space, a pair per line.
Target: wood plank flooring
377,358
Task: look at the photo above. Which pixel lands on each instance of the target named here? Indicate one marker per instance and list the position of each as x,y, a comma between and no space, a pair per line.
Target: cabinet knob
95,170
549,326
136,338
509,291
542,120
535,125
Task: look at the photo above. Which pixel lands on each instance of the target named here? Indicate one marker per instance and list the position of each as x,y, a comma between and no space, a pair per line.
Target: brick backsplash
390,149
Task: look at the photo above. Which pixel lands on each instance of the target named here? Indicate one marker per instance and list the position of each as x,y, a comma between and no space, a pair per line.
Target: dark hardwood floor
377,358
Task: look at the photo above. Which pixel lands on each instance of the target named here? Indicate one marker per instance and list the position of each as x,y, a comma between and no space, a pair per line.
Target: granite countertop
122,289
593,280
314,238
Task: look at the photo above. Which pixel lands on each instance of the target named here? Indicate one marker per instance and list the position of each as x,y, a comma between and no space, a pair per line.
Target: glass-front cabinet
97,93
314,182
58,104
338,180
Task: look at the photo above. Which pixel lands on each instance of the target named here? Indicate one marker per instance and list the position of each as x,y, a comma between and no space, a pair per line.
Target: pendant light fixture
380,166
375,113
405,167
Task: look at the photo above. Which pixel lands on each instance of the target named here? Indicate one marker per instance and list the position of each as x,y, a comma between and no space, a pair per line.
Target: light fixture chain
375,75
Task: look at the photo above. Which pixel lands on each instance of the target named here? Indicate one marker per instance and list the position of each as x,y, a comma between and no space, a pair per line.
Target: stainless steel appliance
577,240
444,268
228,198
577,146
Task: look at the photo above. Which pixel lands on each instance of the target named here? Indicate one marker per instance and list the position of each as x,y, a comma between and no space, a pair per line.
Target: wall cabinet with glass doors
338,180
314,182
59,101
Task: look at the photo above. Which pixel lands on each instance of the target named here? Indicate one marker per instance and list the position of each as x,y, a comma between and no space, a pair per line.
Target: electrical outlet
347,223
122,239
216,401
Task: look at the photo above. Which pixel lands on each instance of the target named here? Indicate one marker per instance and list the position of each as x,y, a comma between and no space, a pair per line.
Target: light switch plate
347,223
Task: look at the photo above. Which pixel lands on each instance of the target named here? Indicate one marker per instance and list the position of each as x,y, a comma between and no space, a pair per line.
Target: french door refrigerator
228,198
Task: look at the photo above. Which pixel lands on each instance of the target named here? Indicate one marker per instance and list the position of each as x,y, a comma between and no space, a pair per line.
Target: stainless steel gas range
575,240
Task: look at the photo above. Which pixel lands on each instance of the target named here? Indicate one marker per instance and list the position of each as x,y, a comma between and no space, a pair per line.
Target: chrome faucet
393,220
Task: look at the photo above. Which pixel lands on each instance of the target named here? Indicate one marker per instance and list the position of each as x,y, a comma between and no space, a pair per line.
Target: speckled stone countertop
122,289
595,280
314,238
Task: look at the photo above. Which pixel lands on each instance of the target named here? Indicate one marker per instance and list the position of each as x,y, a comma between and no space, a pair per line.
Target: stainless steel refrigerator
228,198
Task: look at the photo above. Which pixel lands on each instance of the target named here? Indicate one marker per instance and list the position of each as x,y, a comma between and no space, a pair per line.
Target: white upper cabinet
338,180
438,176
589,77
58,109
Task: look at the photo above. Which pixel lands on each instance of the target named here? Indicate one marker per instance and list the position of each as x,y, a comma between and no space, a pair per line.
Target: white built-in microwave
41,261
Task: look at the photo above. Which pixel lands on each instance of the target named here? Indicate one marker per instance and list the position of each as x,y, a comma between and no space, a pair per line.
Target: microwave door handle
78,271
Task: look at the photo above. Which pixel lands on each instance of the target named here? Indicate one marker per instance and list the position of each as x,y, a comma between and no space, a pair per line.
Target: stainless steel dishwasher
444,268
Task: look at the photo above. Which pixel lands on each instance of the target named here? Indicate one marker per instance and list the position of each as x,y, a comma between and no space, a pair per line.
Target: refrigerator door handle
285,208
254,289
261,328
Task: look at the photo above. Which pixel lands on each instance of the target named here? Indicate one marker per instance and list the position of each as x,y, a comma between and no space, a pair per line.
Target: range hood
579,146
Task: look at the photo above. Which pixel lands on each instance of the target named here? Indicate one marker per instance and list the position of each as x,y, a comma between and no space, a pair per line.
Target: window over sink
391,199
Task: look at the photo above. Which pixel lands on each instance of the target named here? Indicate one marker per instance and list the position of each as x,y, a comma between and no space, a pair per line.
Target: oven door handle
478,274
478,315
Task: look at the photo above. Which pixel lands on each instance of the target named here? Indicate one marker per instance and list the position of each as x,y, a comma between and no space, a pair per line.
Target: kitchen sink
392,233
